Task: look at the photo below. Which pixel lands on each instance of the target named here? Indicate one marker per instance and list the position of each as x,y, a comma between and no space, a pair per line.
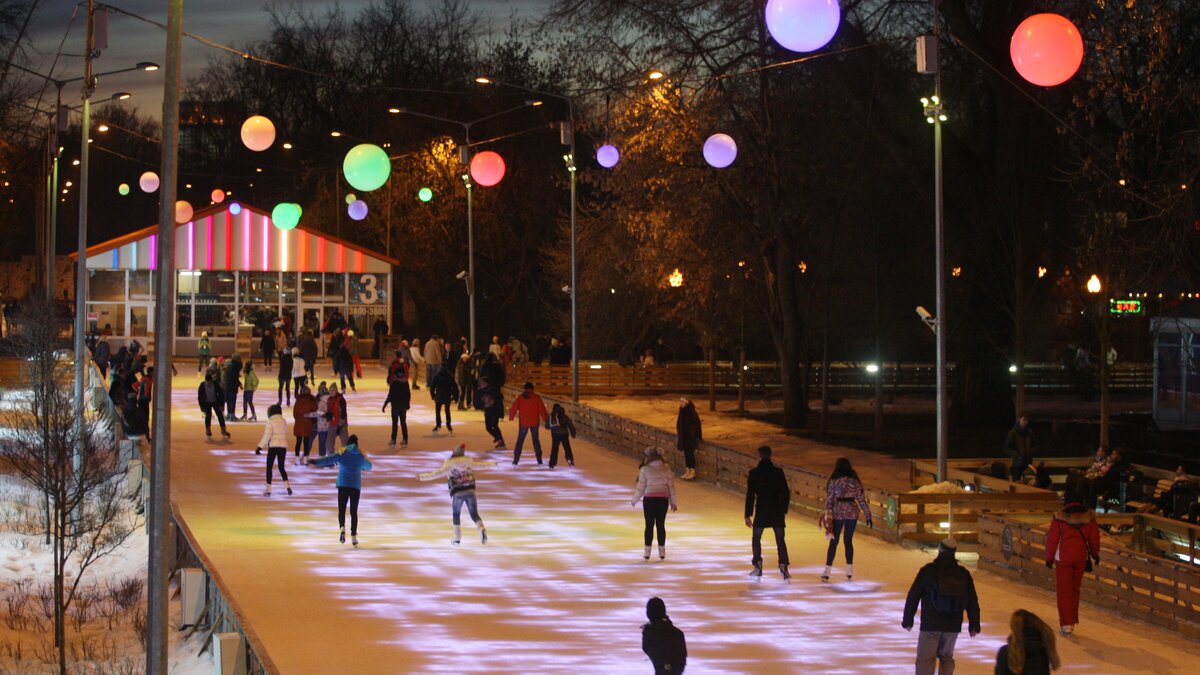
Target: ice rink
561,585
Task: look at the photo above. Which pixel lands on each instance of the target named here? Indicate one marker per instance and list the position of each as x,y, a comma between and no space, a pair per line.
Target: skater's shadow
852,587
1130,660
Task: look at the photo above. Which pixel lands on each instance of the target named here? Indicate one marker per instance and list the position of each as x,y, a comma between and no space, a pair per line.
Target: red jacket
531,408
1072,536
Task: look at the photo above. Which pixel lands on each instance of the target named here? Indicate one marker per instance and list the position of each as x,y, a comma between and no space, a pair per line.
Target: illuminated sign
1125,306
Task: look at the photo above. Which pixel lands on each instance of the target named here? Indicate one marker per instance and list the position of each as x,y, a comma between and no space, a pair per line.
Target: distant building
209,128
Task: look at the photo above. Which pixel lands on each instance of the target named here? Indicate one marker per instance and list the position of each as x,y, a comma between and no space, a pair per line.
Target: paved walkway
561,585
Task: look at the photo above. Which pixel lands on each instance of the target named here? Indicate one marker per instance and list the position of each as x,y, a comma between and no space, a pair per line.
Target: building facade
236,274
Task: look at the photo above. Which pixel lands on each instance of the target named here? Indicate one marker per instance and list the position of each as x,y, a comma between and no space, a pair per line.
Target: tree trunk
786,327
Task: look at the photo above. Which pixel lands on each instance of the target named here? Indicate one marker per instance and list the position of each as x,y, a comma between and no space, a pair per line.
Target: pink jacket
844,497
655,480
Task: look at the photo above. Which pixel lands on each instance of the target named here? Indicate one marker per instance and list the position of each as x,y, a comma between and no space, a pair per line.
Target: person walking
459,470
656,489
231,380
562,430
533,413
843,498
211,400
204,349
303,423
662,641
433,359
418,362
249,386
145,397
490,400
352,344
101,355
688,435
400,398
267,346
1019,446
351,462
379,330
944,590
1031,648
286,363
465,380
767,502
275,440
308,350
444,392
1072,547
343,365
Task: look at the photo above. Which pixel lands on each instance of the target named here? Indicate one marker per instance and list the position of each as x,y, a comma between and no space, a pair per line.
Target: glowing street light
675,279
655,75
1093,285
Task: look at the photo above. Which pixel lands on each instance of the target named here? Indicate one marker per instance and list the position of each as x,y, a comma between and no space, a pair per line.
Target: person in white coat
275,440
656,489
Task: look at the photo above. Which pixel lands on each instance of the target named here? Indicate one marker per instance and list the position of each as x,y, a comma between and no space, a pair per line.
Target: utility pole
160,484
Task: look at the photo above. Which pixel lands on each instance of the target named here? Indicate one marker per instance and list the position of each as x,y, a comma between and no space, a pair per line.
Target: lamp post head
147,66
121,96
1093,285
483,80
655,75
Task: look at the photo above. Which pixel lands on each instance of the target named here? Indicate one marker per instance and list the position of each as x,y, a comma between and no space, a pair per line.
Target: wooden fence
762,378
1153,589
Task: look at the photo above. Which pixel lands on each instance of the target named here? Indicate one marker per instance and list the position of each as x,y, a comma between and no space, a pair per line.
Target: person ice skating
303,424
562,430
662,641
351,462
843,499
211,400
1031,648
1072,547
231,381
339,421
204,349
944,590
266,345
465,379
299,366
400,398
249,386
343,365
459,471
490,400
286,363
275,440
322,418
767,501
444,392
308,351
688,435
418,362
532,411
656,489
1019,446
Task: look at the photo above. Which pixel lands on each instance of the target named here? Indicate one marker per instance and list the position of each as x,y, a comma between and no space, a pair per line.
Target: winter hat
295,351
528,385
656,609
651,452
1074,507
948,545
459,450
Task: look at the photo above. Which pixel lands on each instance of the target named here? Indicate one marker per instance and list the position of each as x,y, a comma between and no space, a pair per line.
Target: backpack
951,590
674,652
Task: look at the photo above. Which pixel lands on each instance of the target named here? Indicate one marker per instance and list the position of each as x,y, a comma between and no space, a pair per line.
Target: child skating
460,477
351,462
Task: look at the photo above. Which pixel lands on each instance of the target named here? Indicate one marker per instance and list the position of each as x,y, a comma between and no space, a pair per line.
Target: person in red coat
531,411
1072,545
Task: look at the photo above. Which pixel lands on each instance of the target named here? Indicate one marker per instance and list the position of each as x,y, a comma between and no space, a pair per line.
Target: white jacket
274,433
655,480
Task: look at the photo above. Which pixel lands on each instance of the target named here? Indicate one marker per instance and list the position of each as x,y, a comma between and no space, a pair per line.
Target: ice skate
404,444
391,444
570,464
289,488
454,542
226,434
342,537
690,474
436,429
483,535
449,430
757,571
849,572
208,432
662,552
354,540
825,574
783,569
267,492
1067,631
646,554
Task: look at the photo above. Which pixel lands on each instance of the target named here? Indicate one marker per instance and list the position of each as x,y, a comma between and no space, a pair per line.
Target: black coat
443,389
203,400
308,350
285,366
767,495
687,426
494,372
665,645
232,371
924,589
399,395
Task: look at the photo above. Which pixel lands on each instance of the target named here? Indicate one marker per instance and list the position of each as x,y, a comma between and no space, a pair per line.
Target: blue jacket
350,463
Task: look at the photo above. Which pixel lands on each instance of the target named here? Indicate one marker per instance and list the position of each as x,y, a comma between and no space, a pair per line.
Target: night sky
232,22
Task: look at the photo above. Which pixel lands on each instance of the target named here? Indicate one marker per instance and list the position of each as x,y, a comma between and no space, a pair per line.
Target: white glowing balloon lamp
258,133
148,182
720,150
803,25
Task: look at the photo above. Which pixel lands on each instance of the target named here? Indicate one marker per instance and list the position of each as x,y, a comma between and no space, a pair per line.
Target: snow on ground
560,585
25,558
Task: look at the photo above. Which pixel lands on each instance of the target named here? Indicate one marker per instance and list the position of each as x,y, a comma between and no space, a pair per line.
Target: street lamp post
465,159
568,134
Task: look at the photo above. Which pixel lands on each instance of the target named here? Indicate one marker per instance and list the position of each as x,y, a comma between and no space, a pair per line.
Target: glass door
311,319
141,320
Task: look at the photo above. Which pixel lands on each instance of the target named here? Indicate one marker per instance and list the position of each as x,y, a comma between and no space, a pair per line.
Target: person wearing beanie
656,489
944,590
1072,547
688,435
767,501
532,411
662,641
459,470
275,440
351,462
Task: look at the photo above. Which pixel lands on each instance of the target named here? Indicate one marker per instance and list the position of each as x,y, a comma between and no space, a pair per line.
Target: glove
633,502
906,625
1095,560
1050,564
258,451
870,524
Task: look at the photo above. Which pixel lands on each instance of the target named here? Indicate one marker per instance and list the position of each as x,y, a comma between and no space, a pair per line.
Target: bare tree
81,477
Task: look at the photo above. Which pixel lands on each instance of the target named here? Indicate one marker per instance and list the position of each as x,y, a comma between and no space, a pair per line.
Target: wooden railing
1160,591
933,517
845,377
